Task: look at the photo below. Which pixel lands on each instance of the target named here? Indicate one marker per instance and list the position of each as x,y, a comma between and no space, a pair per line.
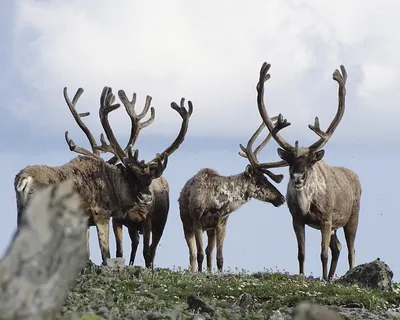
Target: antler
185,115
136,125
281,123
129,157
325,136
106,106
78,118
159,163
252,155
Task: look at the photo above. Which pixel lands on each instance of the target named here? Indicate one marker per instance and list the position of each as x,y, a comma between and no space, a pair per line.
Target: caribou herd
135,194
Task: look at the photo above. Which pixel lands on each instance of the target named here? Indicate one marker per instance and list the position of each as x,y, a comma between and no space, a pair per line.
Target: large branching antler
282,123
326,135
107,105
107,99
185,115
78,118
252,155
129,157
159,163
136,125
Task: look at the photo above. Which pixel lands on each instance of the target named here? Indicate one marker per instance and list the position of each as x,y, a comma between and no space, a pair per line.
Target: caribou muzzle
298,180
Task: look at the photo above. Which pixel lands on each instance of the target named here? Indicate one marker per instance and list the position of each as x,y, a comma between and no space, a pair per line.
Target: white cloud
209,52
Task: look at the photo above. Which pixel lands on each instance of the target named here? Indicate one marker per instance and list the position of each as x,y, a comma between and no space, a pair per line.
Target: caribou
323,197
151,219
106,189
208,198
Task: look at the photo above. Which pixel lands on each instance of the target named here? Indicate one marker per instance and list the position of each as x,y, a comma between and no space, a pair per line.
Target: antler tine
282,123
247,153
265,142
325,136
139,166
78,119
160,164
106,106
80,150
135,118
185,114
275,177
252,156
253,138
105,147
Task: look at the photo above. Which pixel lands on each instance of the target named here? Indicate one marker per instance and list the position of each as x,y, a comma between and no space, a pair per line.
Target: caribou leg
190,240
198,233
146,242
221,232
117,227
211,235
336,247
350,231
299,230
326,229
134,235
103,233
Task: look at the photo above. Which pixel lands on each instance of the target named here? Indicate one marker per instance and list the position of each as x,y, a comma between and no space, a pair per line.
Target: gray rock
311,311
277,315
245,300
115,262
393,313
375,274
198,317
90,268
198,305
137,271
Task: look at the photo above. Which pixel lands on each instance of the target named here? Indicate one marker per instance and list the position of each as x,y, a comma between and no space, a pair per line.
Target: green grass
137,289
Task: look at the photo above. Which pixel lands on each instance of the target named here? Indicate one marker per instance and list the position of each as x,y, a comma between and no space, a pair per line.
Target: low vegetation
137,293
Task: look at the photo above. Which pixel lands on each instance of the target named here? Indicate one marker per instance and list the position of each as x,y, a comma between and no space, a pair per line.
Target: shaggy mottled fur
105,190
206,201
329,199
323,197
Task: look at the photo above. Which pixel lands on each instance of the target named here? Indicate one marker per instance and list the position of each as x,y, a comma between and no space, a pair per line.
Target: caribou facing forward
323,197
153,217
106,189
207,199
140,221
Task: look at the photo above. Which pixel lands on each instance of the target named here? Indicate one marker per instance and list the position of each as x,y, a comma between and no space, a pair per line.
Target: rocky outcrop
310,311
45,256
375,274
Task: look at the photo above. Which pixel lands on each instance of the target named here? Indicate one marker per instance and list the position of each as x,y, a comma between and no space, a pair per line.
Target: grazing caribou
207,199
323,197
107,190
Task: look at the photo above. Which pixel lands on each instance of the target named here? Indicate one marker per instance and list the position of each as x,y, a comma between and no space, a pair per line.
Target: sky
211,53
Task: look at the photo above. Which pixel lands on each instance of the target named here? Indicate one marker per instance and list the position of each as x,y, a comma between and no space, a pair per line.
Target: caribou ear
317,156
121,167
249,170
285,156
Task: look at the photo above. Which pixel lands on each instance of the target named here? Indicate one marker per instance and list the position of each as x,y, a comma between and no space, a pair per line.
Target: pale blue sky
211,54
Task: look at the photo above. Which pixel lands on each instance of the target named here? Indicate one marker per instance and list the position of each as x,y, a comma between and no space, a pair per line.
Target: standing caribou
323,197
153,217
207,199
107,190
145,220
